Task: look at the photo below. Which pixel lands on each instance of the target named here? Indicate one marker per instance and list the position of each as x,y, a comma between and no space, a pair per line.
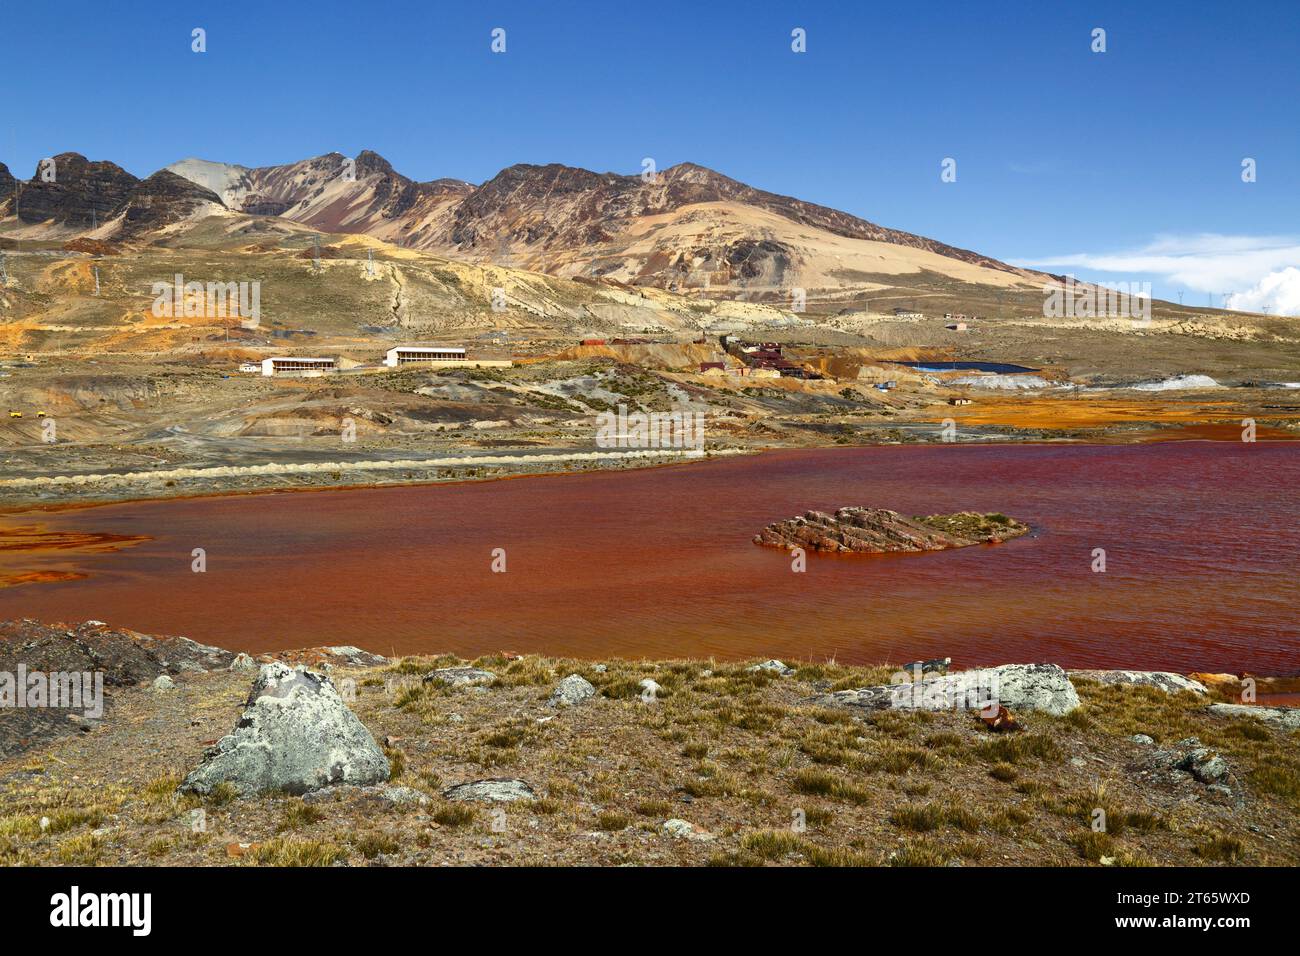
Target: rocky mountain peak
371,163
81,193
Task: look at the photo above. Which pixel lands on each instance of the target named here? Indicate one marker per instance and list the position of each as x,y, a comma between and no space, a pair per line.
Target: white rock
774,666
356,656
243,662
685,830
163,682
460,676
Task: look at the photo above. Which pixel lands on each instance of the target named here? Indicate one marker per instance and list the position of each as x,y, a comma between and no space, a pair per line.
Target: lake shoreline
11,505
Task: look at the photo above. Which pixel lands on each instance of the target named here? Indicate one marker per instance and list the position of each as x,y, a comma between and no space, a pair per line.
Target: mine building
297,365
406,354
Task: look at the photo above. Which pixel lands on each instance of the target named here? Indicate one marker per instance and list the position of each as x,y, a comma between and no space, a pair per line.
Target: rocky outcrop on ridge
81,194
878,530
7,183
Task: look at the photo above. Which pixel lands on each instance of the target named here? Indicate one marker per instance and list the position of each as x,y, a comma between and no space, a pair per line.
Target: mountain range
681,229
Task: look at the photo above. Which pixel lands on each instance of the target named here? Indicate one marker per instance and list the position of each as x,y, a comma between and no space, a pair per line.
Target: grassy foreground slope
732,751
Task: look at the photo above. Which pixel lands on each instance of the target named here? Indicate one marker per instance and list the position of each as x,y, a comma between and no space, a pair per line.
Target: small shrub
454,815
1221,848
372,844
298,814
771,844
288,851
1092,846
611,821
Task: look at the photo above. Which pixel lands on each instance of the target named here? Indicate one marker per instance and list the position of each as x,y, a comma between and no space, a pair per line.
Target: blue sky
1119,165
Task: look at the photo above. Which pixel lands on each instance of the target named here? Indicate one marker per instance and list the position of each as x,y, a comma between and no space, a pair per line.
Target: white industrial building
297,365
406,354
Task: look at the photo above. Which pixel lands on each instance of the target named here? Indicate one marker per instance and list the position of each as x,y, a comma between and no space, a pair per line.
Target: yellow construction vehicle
13,414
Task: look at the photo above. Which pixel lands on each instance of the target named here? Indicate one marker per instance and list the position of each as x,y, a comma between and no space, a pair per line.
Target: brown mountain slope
332,193
688,227
161,201
685,229
524,198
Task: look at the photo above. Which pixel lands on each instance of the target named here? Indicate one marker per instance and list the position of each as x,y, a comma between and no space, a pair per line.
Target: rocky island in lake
878,530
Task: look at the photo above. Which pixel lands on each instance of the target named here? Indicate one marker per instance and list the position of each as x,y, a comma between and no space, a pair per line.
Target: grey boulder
497,790
1041,687
1166,681
772,667
295,735
1205,765
574,689
355,657
1286,717
383,795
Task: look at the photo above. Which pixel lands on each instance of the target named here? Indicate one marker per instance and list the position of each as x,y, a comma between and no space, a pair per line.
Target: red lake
1200,542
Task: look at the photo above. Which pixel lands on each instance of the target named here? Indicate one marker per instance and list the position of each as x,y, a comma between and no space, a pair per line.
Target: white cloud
1278,292
1206,262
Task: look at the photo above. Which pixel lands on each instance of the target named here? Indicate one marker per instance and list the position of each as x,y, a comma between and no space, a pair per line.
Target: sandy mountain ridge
687,229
